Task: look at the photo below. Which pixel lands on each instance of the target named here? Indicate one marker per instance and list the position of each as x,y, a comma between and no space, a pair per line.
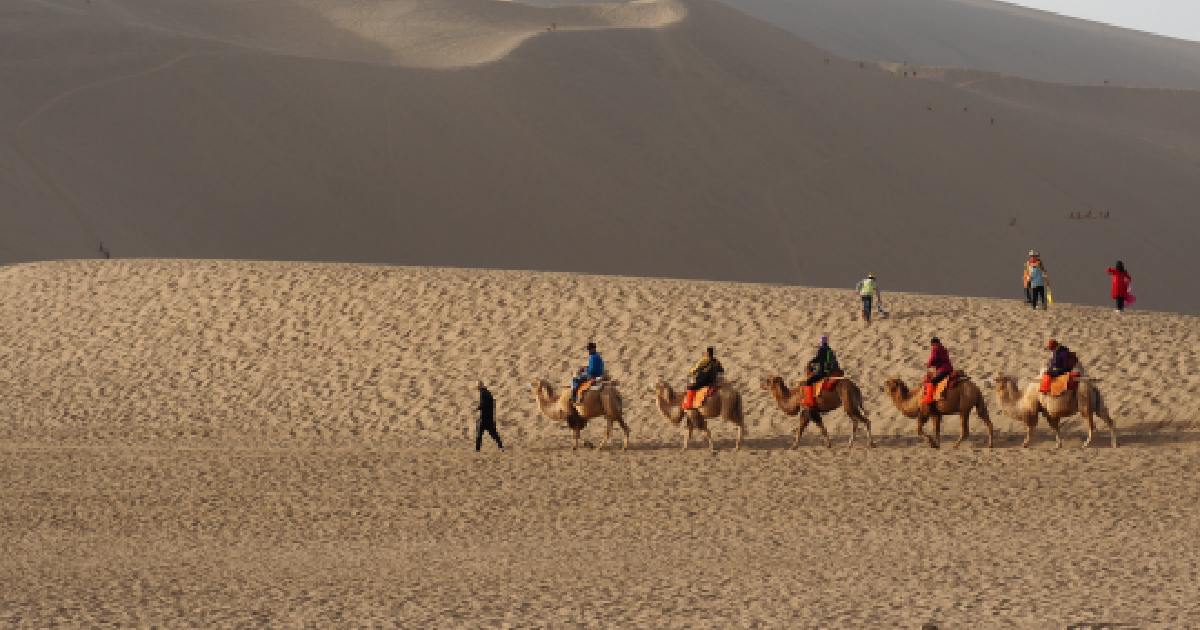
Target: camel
606,402
845,395
724,403
1027,405
960,399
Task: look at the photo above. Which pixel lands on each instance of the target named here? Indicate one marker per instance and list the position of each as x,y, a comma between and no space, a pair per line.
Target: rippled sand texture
894,537
200,353
228,443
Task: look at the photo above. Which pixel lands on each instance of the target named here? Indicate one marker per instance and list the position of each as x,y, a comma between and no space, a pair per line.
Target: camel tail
1098,404
737,412
857,400
981,408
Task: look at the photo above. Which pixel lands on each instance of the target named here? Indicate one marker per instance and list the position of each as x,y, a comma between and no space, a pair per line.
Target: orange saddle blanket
695,399
938,392
1059,385
812,392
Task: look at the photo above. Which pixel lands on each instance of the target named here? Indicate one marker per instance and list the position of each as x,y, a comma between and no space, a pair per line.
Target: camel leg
966,428
853,431
1054,422
687,438
1091,428
990,431
921,431
575,446
799,432
708,434
607,435
937,431
625,430
1112,427
870,438
1029,428
825,434
737,445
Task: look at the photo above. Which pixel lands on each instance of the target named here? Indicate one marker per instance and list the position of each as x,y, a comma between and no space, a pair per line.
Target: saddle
811,393
1056,386
939,391
694,399
596,384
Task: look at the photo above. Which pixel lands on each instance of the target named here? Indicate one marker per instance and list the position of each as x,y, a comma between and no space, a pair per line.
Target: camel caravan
1064,392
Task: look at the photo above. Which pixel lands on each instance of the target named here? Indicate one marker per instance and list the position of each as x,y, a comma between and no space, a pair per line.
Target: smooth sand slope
268,443
986,35
715,146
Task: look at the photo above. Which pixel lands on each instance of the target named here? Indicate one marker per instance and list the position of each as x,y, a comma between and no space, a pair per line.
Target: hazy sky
1176,18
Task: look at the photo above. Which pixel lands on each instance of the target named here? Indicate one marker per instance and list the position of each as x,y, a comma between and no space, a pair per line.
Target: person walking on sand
1120,286
868,291
1034,262
1037,286
487,418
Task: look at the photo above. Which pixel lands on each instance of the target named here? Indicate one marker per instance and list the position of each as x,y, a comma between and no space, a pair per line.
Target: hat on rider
1051,344
824,341
935,340
1033,252
871,276
591,346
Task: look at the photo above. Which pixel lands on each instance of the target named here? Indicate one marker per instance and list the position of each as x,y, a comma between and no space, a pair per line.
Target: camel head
668,403
1008,393
895,387
773,382
540,388
543,393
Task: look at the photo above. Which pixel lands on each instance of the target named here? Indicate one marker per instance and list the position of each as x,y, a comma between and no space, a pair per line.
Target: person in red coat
1120,285
940,368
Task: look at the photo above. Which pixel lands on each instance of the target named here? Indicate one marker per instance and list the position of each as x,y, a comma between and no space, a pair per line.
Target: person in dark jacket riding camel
704,374
1061,362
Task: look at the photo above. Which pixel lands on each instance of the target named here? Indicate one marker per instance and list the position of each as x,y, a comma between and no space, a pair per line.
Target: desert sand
702,142
988,35
220,443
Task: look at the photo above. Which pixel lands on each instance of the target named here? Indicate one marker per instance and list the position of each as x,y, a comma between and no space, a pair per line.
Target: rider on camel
703,375
939,362
823,365
1062,361
593,371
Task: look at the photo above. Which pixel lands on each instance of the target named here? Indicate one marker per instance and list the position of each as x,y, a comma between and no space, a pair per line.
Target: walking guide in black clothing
487,418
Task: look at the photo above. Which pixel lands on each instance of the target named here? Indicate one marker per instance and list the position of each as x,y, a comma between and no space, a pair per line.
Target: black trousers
1120,304
1037,294
488,426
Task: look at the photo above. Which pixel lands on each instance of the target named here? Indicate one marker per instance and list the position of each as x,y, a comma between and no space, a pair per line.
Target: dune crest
409,33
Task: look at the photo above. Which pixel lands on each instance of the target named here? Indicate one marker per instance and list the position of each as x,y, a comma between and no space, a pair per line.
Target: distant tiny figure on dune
487,418
1120,286
104,251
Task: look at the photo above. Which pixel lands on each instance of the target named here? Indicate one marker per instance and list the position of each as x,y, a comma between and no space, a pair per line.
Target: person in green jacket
869,292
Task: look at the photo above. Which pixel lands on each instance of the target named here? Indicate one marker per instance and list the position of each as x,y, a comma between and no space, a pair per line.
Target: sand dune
412,33
986,35
717,147
209,353
231,443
